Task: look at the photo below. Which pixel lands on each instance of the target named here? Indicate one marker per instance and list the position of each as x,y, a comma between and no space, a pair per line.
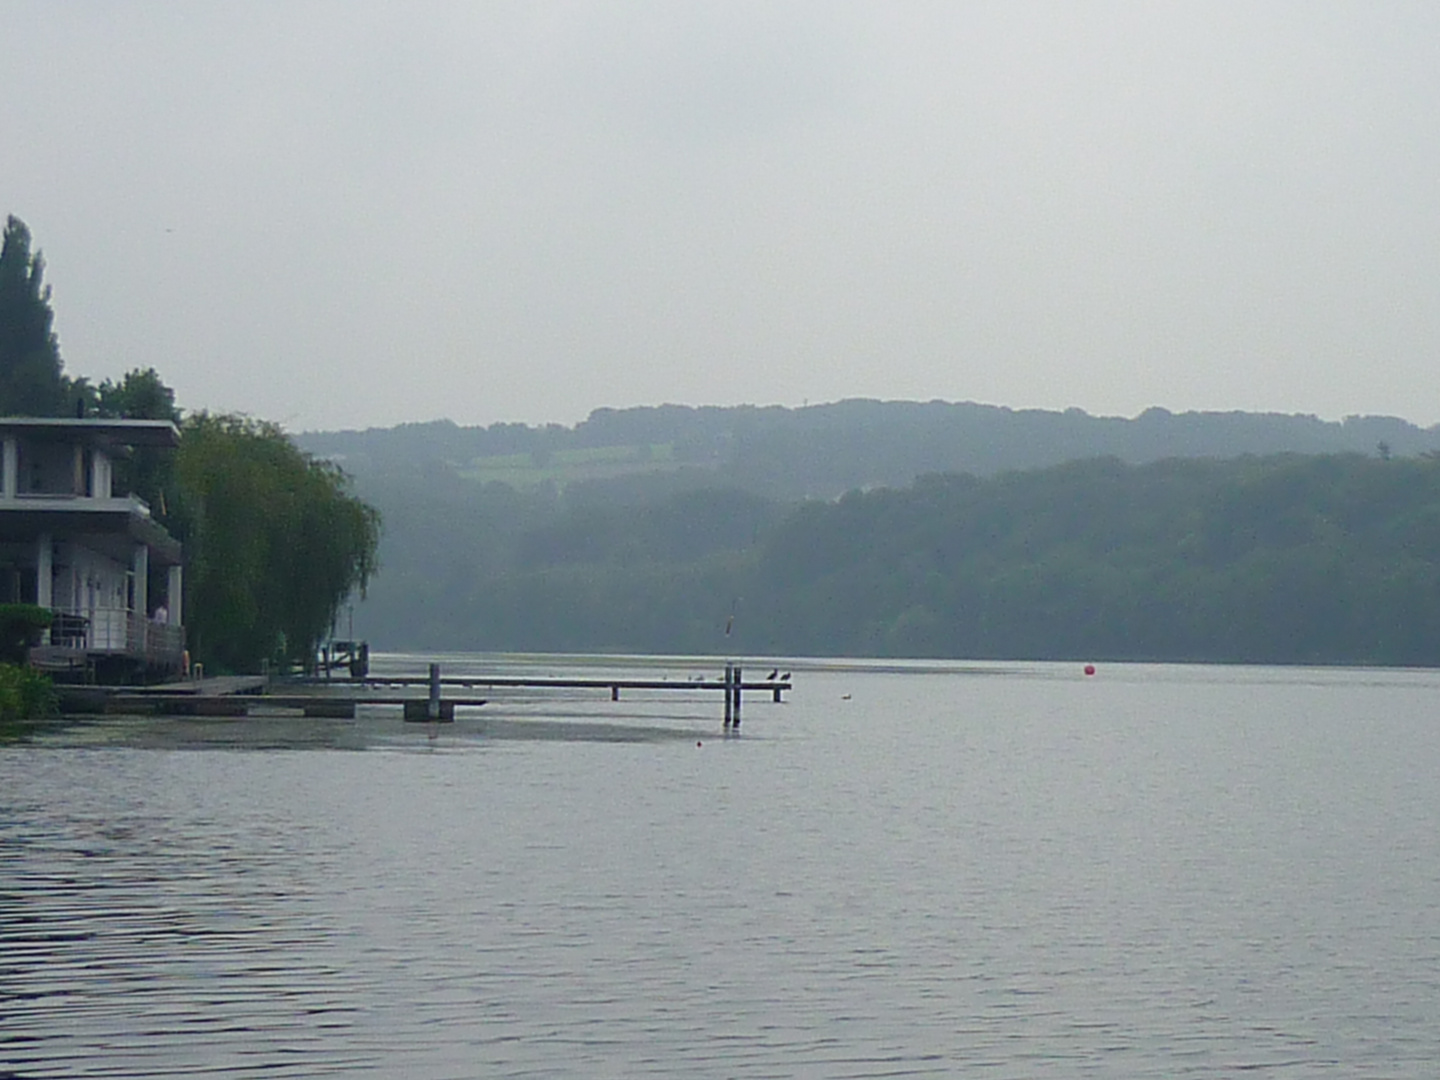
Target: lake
1009,870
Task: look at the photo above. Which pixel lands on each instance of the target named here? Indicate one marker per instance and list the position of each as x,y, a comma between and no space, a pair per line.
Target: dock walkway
239,695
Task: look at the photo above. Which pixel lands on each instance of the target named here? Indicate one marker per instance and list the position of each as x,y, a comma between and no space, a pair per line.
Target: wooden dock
339,698
98,699
732,684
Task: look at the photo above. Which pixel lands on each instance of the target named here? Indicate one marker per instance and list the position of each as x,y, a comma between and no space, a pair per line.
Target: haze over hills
821,451
965,533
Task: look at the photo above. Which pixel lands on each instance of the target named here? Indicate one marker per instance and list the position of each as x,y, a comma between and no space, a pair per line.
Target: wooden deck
240,695
80,698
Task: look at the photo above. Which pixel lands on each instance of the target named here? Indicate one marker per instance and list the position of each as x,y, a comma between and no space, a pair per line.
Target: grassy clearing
570,466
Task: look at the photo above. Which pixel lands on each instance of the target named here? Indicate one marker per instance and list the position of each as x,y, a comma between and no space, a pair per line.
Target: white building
108,570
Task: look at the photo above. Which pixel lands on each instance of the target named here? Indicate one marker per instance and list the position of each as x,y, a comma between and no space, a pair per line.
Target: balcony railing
119,631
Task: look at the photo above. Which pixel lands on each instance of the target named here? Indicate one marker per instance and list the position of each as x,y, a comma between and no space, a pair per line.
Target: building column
45,577
175,595
11,473
141,566
141,619
100,486
45,571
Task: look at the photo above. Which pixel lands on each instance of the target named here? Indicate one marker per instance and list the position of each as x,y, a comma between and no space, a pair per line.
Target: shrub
25,694
20,627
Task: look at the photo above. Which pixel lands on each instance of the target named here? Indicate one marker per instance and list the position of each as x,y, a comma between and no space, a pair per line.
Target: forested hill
824,450
1280,559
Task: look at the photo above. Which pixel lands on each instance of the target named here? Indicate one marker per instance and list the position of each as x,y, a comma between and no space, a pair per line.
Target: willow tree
276,542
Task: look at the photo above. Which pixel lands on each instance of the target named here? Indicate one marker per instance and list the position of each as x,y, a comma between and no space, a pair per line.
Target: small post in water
729,681
432,708
738,679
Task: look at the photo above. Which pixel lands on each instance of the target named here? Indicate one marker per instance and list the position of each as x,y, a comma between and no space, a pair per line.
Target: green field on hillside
561,467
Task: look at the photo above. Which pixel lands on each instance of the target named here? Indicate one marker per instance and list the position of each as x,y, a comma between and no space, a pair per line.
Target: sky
353,214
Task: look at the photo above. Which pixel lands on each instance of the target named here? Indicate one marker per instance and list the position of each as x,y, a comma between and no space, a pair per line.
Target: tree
148,470
140,395
31,383
276,542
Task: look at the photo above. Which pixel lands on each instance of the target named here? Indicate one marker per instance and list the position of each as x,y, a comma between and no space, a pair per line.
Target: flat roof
94,430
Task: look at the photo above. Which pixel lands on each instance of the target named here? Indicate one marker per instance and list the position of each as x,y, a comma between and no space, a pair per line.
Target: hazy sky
359,213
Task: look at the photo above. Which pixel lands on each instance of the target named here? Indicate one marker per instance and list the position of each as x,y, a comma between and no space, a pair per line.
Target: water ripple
1144,880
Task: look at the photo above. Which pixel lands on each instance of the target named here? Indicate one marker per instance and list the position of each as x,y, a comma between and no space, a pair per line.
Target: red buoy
1089,669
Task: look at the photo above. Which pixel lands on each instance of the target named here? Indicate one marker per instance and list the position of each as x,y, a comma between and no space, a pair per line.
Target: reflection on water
1156,872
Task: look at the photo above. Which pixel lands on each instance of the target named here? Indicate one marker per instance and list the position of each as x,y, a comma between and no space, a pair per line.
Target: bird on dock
774,674
785,677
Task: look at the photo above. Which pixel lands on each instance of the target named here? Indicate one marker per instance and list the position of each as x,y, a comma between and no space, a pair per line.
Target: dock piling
433,706
729,699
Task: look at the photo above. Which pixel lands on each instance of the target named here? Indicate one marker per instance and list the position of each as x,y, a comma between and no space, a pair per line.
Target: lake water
1007,870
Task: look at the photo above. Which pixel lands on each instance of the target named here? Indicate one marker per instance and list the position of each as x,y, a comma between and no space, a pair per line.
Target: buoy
1089,669
698,743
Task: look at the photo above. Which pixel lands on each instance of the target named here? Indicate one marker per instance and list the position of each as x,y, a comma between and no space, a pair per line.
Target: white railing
120,631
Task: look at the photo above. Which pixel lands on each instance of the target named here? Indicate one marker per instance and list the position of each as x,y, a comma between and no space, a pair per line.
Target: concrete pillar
141,567
45,571
45,577
141,622
11,475
100,476
175,595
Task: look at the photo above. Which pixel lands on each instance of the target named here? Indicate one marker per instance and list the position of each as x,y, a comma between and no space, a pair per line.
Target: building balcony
80,636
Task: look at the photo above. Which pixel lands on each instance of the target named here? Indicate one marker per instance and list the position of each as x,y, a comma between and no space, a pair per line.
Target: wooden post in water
729,682
433,705
739,678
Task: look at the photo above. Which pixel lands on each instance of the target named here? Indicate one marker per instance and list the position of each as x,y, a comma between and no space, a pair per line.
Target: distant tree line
1290,559
822,451
1277,559
274,539
1029,534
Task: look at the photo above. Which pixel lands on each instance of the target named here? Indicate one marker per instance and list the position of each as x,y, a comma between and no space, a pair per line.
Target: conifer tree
31,383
